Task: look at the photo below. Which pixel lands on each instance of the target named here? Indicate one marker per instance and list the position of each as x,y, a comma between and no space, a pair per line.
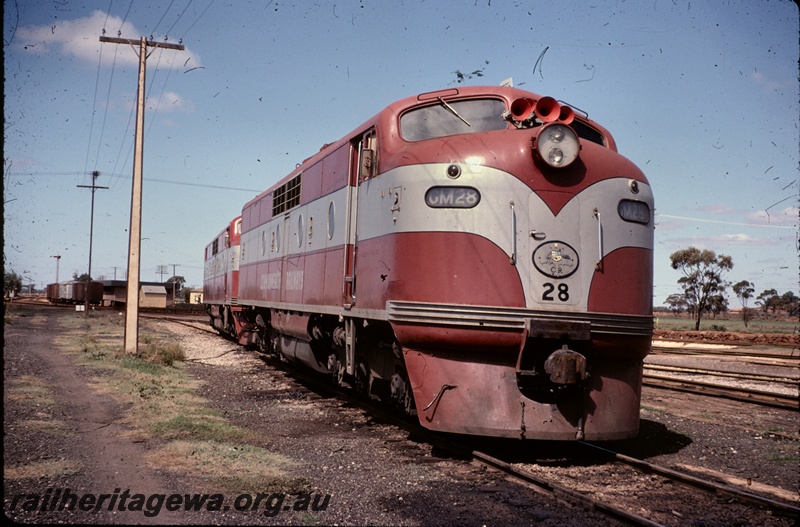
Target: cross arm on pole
135,42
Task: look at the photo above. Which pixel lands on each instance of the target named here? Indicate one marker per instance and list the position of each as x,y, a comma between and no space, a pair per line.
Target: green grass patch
705,415
30,391
233,468
197,427
775,430
730,323
161,403
782,458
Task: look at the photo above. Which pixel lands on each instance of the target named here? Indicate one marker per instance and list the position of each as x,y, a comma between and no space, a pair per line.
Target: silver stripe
498,318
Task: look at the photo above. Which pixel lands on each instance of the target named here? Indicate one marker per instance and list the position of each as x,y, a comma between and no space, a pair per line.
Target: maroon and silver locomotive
480,256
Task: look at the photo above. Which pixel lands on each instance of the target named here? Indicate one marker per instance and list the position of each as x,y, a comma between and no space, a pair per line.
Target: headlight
557,145
634,211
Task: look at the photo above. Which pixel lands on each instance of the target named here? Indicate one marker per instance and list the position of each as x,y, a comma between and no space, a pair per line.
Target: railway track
633,510
791,381
623,509
787,358
748,395
198,322
501,458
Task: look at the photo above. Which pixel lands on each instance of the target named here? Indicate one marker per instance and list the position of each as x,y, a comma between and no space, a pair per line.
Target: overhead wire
179,17
94,110
125,137
197,19
162,16
129,176
108,102
130,115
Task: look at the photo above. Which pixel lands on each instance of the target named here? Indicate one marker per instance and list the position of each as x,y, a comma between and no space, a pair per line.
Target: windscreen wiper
453,111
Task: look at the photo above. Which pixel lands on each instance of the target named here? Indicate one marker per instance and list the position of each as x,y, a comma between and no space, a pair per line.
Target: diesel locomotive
481,257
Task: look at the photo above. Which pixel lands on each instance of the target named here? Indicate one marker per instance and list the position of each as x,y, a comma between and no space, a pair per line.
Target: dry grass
232,467
162,404
44,469
30,391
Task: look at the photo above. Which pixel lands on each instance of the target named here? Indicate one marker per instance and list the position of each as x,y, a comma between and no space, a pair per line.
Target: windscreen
450,118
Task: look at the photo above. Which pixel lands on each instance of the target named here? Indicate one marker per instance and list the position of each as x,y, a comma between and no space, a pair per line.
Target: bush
166,354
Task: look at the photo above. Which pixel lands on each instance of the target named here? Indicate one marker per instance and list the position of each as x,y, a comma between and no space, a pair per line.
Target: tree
717,304
768,299
178,279
789,303
676,303
702,277
744,292
12,282
82,278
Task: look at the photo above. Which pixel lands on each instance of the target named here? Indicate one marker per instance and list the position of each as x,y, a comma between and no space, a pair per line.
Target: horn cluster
545,110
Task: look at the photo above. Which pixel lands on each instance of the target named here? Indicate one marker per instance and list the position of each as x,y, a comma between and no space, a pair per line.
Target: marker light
634,211
557,144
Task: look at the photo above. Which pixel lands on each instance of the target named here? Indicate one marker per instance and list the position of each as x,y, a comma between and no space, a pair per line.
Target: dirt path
60,434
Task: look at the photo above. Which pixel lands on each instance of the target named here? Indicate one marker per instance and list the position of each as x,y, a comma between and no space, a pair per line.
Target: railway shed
151,294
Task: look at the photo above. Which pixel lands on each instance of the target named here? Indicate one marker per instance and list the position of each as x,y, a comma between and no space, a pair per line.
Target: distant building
196,296
115,293
153,296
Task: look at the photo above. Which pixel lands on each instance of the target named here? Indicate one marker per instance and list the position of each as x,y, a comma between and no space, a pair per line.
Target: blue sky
702,95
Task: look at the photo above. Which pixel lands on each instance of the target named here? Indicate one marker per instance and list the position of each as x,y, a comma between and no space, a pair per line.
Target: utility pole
94,187
135,231
115,273
161,269
173,282
58,259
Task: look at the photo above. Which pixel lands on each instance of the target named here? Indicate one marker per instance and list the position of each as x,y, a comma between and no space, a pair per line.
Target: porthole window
331,220
300,231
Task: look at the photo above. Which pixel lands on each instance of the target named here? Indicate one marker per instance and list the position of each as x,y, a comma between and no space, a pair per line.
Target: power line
197,20
153,180
163,15
726,222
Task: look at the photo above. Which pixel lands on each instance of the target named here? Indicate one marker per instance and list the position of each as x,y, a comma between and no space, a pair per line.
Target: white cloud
169,102
770,85
717,243
739,239
80,38
717,209
786,216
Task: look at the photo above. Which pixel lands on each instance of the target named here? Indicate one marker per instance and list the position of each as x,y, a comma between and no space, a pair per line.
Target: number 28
549,289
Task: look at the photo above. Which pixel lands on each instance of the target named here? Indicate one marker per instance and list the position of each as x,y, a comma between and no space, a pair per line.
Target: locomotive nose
565,366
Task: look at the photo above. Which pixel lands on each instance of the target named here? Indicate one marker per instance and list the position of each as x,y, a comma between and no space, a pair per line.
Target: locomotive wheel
362,379
402,397
335,368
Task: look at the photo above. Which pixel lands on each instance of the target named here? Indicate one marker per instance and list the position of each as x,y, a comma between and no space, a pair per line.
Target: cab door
362,167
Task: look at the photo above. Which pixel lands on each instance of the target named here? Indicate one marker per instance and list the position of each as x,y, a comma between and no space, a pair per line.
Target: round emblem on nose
555,259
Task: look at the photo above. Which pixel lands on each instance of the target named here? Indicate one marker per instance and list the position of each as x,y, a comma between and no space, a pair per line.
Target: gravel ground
374,473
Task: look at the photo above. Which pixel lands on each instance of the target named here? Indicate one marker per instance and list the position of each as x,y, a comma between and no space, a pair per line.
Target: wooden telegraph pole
135,231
